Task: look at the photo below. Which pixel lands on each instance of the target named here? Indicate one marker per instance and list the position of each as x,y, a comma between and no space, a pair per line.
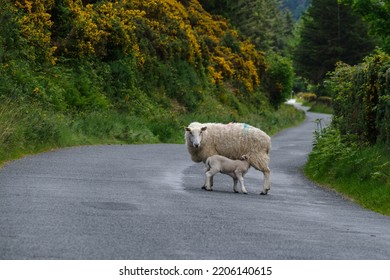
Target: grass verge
361,173
316,107
29,129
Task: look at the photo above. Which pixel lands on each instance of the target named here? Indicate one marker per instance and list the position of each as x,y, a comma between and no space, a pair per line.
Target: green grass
321,108
28,129
316,107
360,173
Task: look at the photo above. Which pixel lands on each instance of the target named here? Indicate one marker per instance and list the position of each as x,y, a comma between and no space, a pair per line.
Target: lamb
232,141
234,168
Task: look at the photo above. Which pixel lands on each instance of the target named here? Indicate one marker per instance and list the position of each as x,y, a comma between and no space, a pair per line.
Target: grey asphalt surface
146,202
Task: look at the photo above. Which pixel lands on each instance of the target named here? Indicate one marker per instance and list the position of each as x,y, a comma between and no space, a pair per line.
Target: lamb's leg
241,179
209,179
235,185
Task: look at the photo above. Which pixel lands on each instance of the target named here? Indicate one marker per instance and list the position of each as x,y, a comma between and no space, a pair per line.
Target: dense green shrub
361,98
278,79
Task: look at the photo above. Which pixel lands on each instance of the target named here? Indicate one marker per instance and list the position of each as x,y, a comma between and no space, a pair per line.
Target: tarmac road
146,202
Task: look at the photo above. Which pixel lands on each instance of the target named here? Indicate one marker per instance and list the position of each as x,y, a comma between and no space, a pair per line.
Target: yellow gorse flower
145,28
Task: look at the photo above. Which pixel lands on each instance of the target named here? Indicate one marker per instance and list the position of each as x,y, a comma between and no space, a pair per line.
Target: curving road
145,202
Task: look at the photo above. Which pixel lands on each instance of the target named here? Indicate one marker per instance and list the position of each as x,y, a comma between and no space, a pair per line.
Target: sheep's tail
269,147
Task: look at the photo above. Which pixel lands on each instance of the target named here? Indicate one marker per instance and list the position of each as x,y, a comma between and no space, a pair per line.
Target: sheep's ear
204,128
188,129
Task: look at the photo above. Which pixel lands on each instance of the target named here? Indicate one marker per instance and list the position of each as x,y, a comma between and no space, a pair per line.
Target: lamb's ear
188,129
204,128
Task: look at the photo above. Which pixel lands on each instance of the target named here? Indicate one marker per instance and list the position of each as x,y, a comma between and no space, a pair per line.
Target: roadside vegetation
322,104
343,57
27,129
353,154
78,72
359,172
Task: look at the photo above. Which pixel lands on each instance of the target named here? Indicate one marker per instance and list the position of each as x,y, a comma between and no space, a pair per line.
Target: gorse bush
78,72
167,30
170,46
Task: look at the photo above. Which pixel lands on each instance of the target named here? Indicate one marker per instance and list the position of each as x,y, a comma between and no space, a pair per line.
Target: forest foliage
352,154
336,53
376,14
330,32
266,22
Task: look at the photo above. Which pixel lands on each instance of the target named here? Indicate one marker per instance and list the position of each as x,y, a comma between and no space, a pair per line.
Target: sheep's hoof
204,187
264,193
245,192
235,191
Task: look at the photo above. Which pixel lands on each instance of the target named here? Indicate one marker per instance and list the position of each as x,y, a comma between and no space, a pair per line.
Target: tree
331,32
376,13
265,22
278,79
297,7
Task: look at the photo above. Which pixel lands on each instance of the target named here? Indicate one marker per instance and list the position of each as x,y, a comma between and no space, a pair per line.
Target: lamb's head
194,135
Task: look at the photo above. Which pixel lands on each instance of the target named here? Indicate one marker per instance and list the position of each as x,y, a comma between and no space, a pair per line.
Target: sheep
232,141
234,168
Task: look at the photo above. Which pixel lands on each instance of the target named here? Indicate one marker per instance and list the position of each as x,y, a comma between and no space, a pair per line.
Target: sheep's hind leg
262,165
267,183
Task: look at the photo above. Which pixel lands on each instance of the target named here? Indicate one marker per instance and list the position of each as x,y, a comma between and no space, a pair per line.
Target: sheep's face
194,135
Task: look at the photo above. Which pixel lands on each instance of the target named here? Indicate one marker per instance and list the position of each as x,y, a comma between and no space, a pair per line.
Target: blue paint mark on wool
245,127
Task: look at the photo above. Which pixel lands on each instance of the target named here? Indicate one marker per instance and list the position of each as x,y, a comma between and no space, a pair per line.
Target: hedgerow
361,99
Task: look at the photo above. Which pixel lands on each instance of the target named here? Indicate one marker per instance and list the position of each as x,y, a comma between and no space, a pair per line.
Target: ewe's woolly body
232,141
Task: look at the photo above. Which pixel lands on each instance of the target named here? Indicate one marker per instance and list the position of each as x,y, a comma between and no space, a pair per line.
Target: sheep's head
195,135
